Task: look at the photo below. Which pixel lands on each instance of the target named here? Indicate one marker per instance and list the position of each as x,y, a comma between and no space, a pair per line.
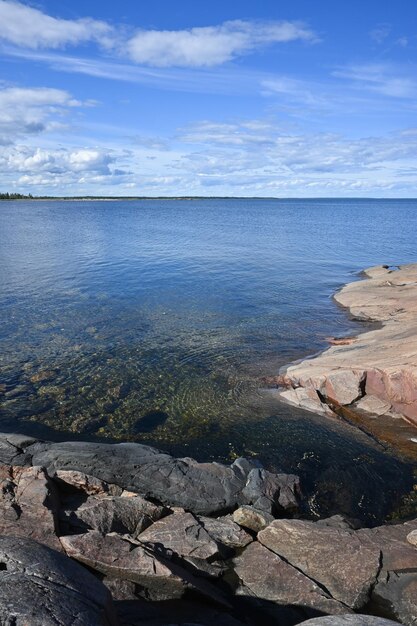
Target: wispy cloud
211,45
384,79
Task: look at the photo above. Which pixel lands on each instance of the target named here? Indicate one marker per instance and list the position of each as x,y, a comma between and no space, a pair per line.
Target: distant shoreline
132,198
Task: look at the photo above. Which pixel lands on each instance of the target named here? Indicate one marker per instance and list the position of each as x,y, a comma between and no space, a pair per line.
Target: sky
221,98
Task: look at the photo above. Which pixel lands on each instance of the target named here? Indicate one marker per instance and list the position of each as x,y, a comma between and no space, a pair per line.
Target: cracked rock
337,559
29,504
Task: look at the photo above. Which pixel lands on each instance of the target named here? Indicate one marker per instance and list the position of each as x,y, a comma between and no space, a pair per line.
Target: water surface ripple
155,321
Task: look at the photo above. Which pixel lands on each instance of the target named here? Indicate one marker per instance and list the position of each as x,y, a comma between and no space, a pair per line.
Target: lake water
155,321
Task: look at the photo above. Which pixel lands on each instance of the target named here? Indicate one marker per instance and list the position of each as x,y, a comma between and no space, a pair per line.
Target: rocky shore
124,534
372,375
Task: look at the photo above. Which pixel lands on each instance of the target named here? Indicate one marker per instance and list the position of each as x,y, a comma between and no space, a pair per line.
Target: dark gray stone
174,482
13,449
41,587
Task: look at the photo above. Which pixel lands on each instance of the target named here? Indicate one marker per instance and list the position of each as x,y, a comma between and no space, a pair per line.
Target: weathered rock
88,484
349,620
174,482
268,577
273,493
249,517
117,557
183,534
41,587
112,514
226,532
29,505
335,558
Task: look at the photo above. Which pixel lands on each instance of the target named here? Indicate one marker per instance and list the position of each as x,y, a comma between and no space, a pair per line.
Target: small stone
249,517
182,533
412,538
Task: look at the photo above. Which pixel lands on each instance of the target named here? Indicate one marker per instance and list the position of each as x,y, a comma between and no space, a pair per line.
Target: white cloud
25,26
211,45
27,111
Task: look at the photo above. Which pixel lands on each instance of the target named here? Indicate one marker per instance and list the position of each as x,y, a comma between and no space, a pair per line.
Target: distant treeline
15,196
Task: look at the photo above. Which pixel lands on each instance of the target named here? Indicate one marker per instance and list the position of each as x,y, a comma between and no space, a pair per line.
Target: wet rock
226,532
268,577
349,620
183,534
29,505
41,587
249,517
336,558
157,577
112,514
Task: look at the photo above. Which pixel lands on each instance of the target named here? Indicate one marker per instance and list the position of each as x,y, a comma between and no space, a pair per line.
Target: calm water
155,321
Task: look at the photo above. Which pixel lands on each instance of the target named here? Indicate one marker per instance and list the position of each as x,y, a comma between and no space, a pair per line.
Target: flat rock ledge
125,535
375,372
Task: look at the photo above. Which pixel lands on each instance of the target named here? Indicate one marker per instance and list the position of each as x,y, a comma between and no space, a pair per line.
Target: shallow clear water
156,320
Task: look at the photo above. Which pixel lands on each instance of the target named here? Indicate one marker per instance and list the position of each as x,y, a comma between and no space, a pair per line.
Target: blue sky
266,98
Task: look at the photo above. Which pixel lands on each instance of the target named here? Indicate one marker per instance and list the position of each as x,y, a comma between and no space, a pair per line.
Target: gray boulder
41,587
174,482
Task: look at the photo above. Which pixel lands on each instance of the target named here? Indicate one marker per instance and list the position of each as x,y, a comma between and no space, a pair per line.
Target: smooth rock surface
41,587
384,361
